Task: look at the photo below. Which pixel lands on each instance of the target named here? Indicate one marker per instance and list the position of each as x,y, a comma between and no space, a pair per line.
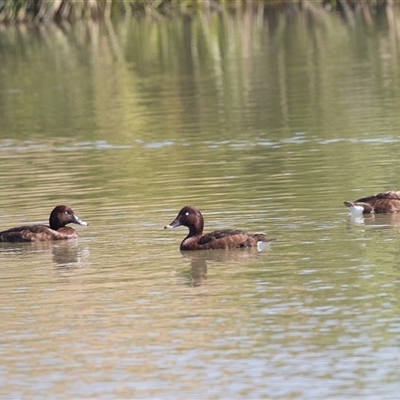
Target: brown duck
59,217
191,217
385,202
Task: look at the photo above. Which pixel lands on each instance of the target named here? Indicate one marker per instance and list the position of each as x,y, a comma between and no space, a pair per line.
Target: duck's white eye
187,213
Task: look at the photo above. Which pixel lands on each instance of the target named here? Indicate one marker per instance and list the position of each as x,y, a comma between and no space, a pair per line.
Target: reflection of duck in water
69,254
199,259
191,217
222,256
197,274
377,220
381,203
63,252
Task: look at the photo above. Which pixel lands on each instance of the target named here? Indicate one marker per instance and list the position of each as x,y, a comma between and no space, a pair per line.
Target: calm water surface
265,123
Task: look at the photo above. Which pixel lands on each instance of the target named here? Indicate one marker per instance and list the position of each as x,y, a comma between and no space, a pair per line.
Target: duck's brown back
37,233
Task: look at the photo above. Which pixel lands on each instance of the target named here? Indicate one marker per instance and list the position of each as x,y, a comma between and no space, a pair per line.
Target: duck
191,217
59,217
381,203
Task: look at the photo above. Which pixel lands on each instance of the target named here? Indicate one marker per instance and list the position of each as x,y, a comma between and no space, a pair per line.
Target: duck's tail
354,208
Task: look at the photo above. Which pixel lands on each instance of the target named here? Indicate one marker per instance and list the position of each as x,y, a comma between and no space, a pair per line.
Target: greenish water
265,123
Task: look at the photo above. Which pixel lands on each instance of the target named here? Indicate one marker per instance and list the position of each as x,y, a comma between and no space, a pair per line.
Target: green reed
39,10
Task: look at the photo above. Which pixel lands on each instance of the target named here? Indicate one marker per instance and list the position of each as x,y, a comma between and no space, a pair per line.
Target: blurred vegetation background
41,10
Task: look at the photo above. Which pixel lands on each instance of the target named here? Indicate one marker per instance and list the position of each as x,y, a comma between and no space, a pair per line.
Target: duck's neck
196,229
55,223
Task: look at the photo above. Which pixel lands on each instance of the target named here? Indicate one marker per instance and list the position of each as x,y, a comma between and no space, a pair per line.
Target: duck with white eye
192,218
56,230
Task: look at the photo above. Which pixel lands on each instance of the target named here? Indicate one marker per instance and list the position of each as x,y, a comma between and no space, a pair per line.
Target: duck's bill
173,224
77,220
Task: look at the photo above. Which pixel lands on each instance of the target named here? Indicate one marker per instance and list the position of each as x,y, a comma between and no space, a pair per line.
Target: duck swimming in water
385,202
59,217
191,217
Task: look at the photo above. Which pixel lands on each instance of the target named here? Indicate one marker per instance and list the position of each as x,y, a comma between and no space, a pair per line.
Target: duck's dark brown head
63,215
191,217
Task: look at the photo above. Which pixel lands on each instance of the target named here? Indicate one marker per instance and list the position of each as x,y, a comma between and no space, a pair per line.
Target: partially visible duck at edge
191,217
59,217
385,202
